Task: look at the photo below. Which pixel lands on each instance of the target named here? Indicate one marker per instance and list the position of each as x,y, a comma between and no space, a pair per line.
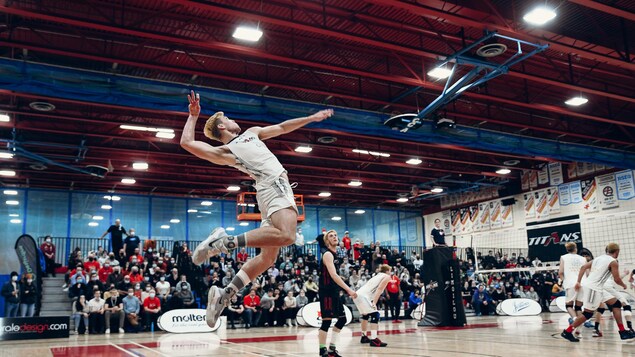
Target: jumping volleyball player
247,153
330,305
366,302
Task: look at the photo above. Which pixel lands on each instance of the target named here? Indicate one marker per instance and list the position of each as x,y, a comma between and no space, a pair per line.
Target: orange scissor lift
246,207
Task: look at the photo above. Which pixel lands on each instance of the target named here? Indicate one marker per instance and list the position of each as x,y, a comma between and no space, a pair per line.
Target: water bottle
152,327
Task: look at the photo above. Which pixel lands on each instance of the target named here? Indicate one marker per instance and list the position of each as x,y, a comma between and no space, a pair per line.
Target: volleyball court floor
535,336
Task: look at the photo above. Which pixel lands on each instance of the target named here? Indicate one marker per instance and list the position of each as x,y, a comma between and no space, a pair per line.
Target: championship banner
542,205
607,191
455,218
524,180
555,174
445,221
507,216
444,201
495,217
572,170
483,217
474,218
599,167
589,168
546,241
553,199
565,194
543,175
589,195
29,328
576,192
625,185
580,169
533,179
530,206
466,222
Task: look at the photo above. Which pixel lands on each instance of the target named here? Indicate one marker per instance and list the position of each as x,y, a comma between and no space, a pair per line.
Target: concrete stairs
55,301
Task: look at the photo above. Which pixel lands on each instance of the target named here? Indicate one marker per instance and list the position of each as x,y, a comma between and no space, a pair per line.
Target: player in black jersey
329,289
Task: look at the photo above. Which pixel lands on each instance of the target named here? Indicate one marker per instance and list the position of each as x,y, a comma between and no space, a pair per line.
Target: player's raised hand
195,106
322,114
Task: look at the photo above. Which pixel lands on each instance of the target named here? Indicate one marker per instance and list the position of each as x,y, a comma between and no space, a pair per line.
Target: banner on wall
542,205
555,174
533,179
572,170
483,216
530,206
474,218
607,191
599,167
575,188
455,218
625,185
565,194
546,241
466,222
543,175
524,180
495,214
553,199
446,221
589,195
507,216
580,168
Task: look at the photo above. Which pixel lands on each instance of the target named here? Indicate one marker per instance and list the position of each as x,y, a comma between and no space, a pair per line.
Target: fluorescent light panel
140,165
165,226
165,135
402,199
206,203
98,218
247,33
5,118
233,188
12,202
437,190
503,171
539,16
16,221
355,183
414,161
303,149
360,211
373,153
440,73
336,218
576,101
244,224
6,155
324,194
8,173
175,220
93,224
10,192
146,128
192,210
106,207
230,229
128,181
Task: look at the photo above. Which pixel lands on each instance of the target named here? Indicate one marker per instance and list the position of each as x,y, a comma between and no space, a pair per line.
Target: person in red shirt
92,264
347,242
48,249
104,272
137,256
151,309
251,303
357,249
393,292
242,256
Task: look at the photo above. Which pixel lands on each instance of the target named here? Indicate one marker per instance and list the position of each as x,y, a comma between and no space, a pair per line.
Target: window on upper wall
309,226
47,213
387,228
168,219
333,218
11,228
360,224
411,229
134,213
203,216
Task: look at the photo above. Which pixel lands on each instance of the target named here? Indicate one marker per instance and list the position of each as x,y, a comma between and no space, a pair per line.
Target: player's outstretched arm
291,125
328,261
199,148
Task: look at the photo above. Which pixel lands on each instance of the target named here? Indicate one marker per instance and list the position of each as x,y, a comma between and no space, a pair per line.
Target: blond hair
612,248
385,268
211,126
571,247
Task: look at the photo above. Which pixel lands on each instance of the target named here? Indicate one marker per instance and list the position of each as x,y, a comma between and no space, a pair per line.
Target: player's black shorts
330,306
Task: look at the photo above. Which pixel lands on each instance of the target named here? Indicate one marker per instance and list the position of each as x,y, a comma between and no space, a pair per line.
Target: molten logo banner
547,243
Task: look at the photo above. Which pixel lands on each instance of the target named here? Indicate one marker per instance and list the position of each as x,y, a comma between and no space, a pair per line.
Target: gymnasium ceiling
340,53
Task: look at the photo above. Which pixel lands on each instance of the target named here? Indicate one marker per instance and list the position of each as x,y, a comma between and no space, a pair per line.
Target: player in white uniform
594,294
249,154
366,302
570,265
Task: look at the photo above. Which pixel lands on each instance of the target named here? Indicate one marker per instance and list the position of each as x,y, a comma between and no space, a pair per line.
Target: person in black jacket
11,295
28,296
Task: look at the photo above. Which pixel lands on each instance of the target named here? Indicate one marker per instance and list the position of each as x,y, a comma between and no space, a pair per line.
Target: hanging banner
533,179
589,168
446,221
555,174
553,199
589,195
474,218
483,217
625,185
524,180
547,242
580,169
495,214
572,170
466,222
530,206
598,167
455,218
543,175
576,192
542,205
607,191
565,194
507,216
444,201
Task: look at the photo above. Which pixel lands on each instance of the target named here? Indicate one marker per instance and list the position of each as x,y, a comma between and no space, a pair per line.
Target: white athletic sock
373,334
334,339
240,280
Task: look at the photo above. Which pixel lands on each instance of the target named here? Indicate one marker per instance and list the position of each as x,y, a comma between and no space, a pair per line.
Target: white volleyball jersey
572,264
372,285
255,159
599,273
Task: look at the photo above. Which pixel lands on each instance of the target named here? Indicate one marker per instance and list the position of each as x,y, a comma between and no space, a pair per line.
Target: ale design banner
576,192
530,206
496,219
607,191
543,175
553,200
565,194
483,216
542,205
29,258
555,174
625,185
547,242
589,195
507,216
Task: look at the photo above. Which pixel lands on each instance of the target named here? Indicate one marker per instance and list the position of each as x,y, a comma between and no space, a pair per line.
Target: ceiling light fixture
360,211
16,221
10,192
9,173
437,190
233,188
14,215
503,171
539,16
146,128
128,181
93,224
140,165
12,202
440,73
192,210
175,220
576,101
304,149
336,218
244,224
230,229
247,33
6,155
115,198
324,194
165,135
5,118
165,226
402,199
414,161
373,153
106,207
206,203
355,183
98,218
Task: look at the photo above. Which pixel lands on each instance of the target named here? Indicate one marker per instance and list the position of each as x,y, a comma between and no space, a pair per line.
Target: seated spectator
131,307
183,282
114,310
417,262
96,313
215,280
301,300
94,283
498,295
532,294
78,273
235,310
311,289
557,291
267,306
290,309
413,302
135,276
151,310
136,257
92,264
482,302
162,288
105,272
28,296
251,303
124,284
11,295
112,260
80,312
138,292
184,297
78,289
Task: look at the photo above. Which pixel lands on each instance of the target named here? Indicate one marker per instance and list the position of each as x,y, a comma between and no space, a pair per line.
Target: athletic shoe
377,343
107,331
210,247
568,336
597,333
589,324
215,305
122,331
626,335
333,353
365,339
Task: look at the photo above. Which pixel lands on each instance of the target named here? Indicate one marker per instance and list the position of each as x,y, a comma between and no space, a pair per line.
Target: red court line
302,337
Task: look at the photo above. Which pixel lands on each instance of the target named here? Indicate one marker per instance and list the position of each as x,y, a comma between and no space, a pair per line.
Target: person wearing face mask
48,249
94,283
28,296
151,308
183,282
11,295
124,284
92,263
104,272
116,235
136,257
184,297
138,291
145,291
131,307
131,243
76,274
311,288
135,276
299,243
114,310
112,260
80,311
498,295
162,288
78,289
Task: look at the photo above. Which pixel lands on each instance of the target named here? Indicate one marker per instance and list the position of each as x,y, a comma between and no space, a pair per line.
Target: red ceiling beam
605,8
242,50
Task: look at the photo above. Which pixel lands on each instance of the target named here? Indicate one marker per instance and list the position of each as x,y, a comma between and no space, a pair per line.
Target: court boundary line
124,350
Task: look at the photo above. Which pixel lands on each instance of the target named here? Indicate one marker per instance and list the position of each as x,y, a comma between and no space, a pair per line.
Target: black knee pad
325,325
365,317
569,304
617,305
587,314
627,307
601,310
341,321
374,318
577,308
